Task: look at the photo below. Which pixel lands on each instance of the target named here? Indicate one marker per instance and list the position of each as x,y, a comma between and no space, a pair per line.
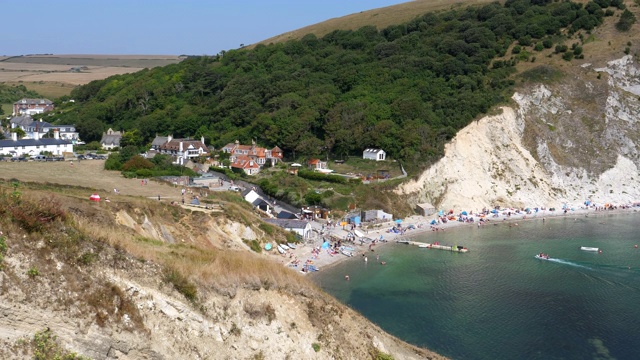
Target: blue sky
192,27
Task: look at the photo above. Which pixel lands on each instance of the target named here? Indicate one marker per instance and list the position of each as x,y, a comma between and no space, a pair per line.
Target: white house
110,139
300,227
374,154
184,150
29,147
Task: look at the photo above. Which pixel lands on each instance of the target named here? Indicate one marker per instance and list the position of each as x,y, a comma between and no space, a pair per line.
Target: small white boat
346,253
284,246
291,245
423,245
280,249
586,248
543,257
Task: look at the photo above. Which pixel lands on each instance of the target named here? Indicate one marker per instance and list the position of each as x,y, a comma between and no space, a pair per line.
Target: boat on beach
284,246
586,248
346,252
281,250
291,245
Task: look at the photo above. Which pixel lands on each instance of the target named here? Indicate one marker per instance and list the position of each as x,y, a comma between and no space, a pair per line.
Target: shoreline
324,260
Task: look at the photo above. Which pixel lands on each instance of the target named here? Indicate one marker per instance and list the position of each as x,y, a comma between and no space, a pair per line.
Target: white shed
374,154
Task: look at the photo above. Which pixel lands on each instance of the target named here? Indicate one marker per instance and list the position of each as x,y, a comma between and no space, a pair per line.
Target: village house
32,106
300,227
184,150
251,158
39,129
316,164
110,139
374,154
31,147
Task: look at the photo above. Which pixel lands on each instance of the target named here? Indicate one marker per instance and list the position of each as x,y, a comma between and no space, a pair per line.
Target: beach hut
95,197
425,209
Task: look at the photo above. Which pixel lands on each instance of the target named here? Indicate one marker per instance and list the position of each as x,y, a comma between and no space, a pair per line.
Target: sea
498,301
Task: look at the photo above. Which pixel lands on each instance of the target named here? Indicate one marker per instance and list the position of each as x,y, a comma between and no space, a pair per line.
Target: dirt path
88,173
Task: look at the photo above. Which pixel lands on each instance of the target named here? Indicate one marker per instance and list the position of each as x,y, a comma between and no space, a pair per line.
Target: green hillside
407,88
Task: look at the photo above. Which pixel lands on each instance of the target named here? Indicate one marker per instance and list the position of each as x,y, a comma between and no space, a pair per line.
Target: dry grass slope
380,18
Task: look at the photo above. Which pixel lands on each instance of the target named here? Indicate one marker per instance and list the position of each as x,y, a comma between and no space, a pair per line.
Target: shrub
181,284
46,347
561,49
547,43
137,162
516,49
316,347
33,272
627,19
538,47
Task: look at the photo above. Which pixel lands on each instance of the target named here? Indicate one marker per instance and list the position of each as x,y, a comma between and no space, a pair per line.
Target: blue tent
440,213
398,221
325,245
494,211
464,213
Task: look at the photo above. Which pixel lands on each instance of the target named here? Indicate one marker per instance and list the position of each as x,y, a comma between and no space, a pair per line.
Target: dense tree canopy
407,88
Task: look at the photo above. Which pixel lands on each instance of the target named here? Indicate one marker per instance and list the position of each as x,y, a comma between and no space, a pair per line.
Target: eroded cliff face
561,143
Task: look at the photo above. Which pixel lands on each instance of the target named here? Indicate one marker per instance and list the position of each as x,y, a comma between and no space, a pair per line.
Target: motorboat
586,248
542,256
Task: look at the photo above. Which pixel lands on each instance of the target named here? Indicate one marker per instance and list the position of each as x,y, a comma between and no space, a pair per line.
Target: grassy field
51,75
89,174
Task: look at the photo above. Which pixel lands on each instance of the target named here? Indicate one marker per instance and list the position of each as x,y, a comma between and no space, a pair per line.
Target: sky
160,27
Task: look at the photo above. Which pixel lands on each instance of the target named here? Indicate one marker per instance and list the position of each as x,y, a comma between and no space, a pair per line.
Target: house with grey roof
32,106
110,139
183,150
38,129
31,147
300,227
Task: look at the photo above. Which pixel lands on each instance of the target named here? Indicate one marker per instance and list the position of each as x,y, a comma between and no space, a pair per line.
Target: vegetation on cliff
407,88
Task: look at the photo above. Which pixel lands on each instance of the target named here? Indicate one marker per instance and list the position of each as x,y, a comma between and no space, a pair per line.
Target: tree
627,19
19,132
131,138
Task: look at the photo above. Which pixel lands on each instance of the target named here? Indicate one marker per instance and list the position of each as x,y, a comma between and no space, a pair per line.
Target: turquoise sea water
497,301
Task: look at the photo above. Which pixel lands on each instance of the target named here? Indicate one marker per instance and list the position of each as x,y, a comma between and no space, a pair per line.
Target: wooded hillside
407,88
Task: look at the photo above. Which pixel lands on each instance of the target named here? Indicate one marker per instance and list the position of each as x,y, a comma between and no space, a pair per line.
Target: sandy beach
418,225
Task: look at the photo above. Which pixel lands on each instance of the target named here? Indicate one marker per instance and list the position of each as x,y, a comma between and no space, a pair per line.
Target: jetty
460,249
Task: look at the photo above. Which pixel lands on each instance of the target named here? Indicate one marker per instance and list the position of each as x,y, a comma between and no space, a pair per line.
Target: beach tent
398,221
494,211
464,213
325,245
195,201
267,246
440,213
94,197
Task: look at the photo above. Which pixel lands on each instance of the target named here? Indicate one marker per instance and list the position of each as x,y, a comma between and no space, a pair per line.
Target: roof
245,162
373,150
288,223
111,139
33,102
174,145
286,215
160,140
33,142
259,202
426,206
313,161
25,120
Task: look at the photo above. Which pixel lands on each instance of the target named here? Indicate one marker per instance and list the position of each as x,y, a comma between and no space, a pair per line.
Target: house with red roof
240,154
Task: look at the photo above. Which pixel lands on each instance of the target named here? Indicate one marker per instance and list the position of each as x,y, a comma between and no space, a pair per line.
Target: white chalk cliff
561,143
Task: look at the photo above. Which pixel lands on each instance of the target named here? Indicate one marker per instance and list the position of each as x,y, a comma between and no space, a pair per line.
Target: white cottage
374,154
29,147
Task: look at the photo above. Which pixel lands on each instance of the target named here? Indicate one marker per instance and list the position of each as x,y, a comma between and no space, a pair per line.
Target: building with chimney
32,106
35,146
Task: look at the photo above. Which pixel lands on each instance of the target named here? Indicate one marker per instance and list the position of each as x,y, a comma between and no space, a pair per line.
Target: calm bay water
497,301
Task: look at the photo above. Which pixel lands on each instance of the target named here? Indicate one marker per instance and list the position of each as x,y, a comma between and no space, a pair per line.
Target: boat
280,249
284,246
348,248
586,248
346,253
542,256
309,268
291,245
423,245
267,246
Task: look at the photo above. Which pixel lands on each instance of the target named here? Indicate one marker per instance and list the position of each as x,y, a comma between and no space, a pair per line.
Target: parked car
234,188
81,157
